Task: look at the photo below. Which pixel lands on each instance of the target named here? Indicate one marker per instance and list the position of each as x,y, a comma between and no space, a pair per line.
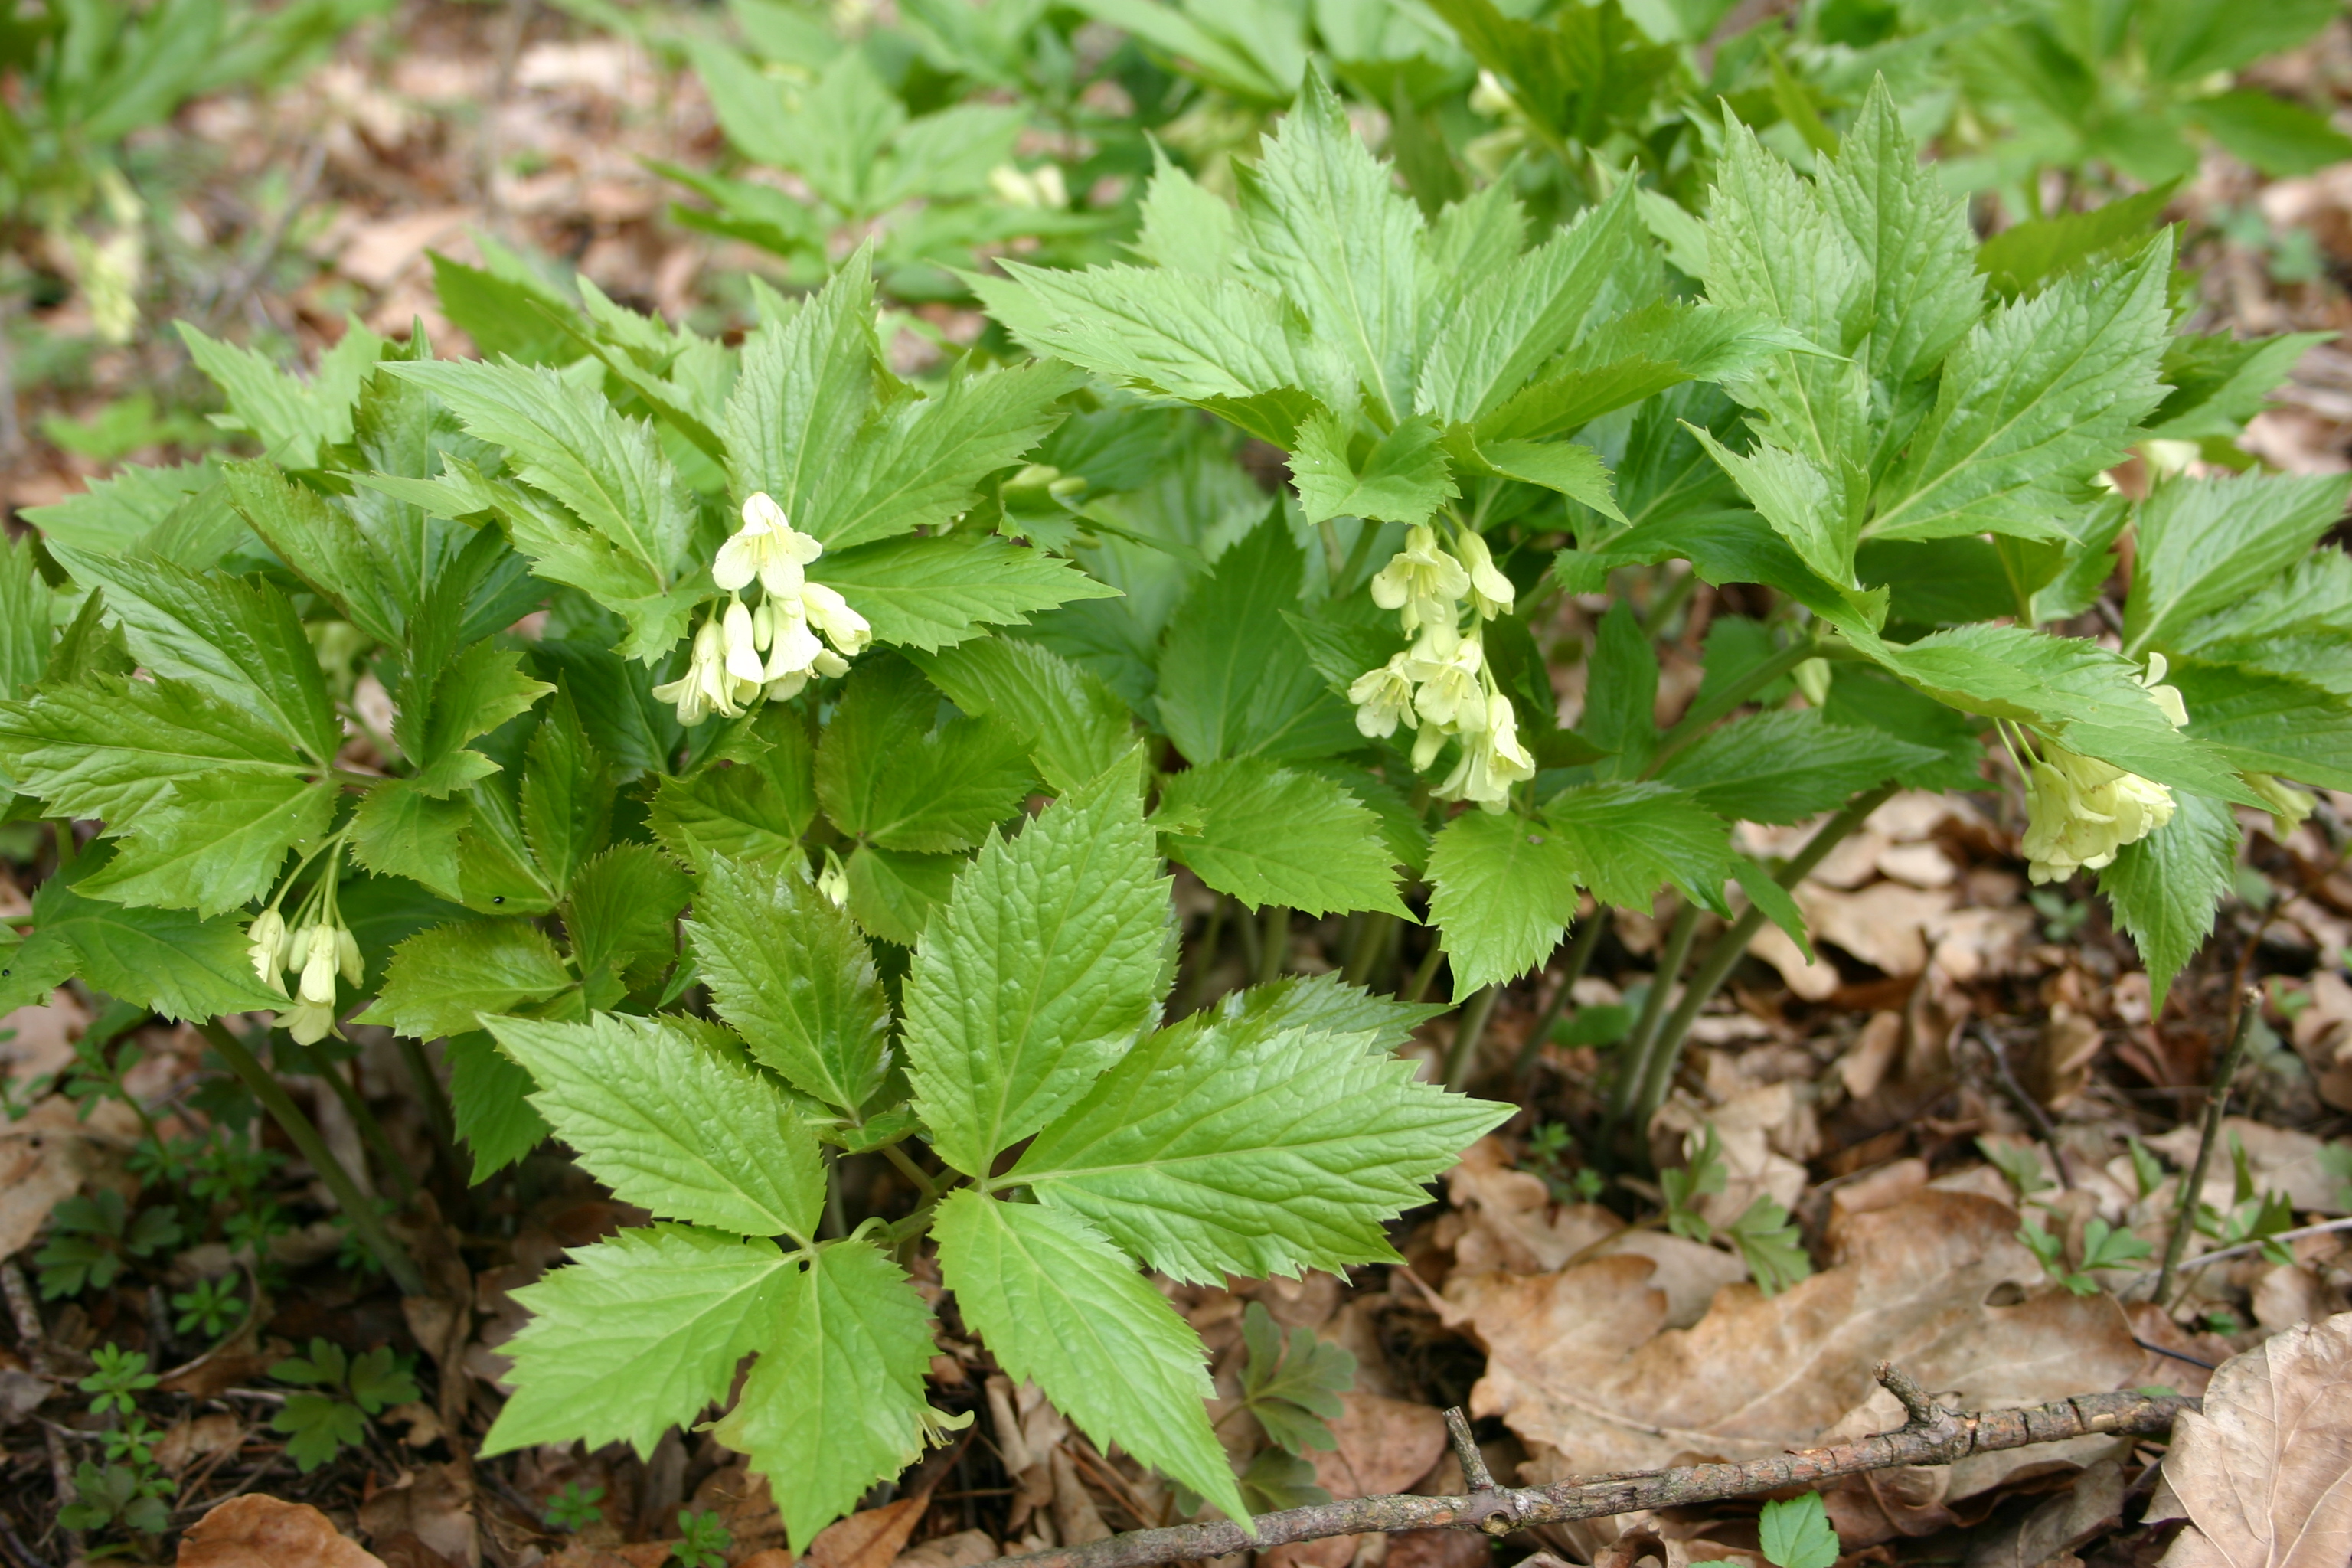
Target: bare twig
2034,1113
1932,1435
2217,1097
2218,1254
1475,1473
239,285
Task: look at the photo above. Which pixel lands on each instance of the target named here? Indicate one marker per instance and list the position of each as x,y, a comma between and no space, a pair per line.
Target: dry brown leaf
1578,1365
435,1504
2059,1067
872,1538
1885,924
964,1549
2263,1473
253,1531
47,1154
2076,1517
2279,1157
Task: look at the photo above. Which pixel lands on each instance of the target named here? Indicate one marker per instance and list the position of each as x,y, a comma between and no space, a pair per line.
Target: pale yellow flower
2167,698
265,937
1450,693
1491,593
1491,760
1422,581
2288,806
766,547
1383,699
2080,812
830,614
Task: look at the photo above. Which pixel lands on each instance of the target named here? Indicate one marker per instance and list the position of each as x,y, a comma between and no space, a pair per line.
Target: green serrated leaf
113,749
835,1401
1271,834
1246,1145
888,774
1058,1306
1627,840
1075,726
1291,1382
660,1113
1503,891
1787,765
441,980
789,971
622,913
168,960
894,892
1045,962
1402,476
2166,888
753,810
567,798
2207,545
1234,680
490,1100
637,1333
931,592
215,842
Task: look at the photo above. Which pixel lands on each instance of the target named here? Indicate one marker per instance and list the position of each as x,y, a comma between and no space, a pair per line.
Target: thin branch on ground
1930,1436
2221,1254
2217,1098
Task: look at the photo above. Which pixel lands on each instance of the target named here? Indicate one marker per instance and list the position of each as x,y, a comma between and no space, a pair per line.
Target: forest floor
1963,1044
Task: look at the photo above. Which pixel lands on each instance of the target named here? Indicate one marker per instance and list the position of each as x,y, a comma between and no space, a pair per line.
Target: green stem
1727,947
1579,958
912,1171
1274,942
2217,1099
1418,986
1373,928
1196,991
68,846
1468,1034
1668,599
370,1131
1694,723
1635,1054
437,1117
365,1223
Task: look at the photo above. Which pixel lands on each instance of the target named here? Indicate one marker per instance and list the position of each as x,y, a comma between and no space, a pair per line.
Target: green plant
208,1308
127,1488
703,1541
572,1507
1767,1242
1795,1533
120,1374
2104,1247
338,1393
90,1238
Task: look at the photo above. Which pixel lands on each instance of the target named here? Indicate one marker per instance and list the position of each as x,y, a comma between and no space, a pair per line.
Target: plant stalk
1426,970
1371,939
366,1224
1695,723
1635,1052
1468,1034
1727,947
1579,958
2217,1101
1274,942
437,1117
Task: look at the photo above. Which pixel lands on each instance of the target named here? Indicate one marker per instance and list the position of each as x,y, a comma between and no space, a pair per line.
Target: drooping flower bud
830,613
2288,806
740,641
2081,811
1491,759
319,966
2167,698
833,880
1422,581
265,937
347,957
1491,593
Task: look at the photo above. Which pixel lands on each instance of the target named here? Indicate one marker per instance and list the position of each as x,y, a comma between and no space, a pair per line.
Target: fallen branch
1932,1435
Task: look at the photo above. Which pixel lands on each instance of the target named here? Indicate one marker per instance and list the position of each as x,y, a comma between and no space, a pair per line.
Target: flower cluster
743,652
2080,811
315,951
1440,687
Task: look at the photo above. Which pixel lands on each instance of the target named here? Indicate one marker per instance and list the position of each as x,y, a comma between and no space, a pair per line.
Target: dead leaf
185,1442
1442,1548
2263,1473
743,1504
2287,1295
48,1152
433,1504
2280,1158
2060,1065
2079,1515
1385,1445
1864,1066
872,1538
1884,925
252,1532
1578,1363
964,1549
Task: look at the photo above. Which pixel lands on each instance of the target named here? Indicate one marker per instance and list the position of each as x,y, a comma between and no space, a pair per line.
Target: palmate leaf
1056,1304
1048,959
2268,722
230,637
805,384
835,1401
215,841
930,592
887,774
113,749
637,1334
789,971
1403,477
166,960
1787,765
1075,725
1249,1146
2206,546
440,981
1627,839
2081,695
661,1111
754,809
1504,891
1272,835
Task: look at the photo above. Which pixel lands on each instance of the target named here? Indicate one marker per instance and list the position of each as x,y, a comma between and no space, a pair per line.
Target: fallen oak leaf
255,1531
